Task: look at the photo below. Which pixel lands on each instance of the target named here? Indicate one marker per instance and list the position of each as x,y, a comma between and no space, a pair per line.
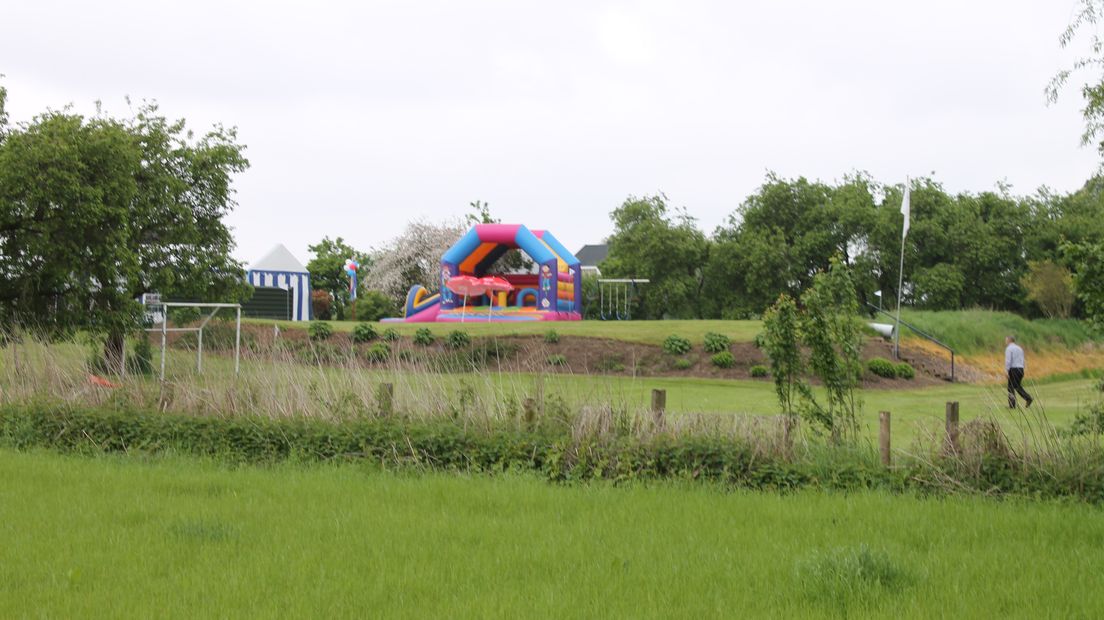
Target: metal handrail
920,333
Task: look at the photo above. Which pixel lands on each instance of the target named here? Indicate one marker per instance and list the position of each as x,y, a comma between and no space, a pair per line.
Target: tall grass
602,427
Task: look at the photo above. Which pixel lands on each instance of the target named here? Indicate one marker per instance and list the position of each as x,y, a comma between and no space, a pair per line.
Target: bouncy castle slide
554,293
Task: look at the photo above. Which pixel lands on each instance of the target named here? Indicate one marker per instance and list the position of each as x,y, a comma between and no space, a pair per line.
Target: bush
715,343
557,360
319,331
882,367
551,337
374,305
378,352
364,332
723,359
904,371
390,334
424,337
683,364
610,363
758,371
457,339
322,304
445,445
676,345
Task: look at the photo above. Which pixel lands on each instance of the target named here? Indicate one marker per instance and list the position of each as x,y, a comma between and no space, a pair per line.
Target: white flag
905,210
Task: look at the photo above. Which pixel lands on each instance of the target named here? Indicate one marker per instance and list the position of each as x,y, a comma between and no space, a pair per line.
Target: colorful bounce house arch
554,293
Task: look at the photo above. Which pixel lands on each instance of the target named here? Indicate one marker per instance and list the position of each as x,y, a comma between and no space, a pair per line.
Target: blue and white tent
279,269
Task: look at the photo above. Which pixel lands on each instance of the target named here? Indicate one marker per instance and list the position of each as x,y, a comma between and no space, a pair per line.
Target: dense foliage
327,272
95,212
543,447
963,250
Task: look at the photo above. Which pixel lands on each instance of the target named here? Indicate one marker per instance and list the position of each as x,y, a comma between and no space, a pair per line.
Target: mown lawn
644,332
175,537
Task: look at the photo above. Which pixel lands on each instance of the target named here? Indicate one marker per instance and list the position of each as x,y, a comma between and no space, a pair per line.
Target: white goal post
165,329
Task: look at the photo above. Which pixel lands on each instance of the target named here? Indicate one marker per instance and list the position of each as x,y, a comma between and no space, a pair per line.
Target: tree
94,212
782,345
513,261
1087,260
664,246
1089,15
327,271
1050,286
830,332
414,257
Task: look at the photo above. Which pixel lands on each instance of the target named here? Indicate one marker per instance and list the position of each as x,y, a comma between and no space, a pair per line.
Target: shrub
322,304
683,364
904,371
1088,422
723,359
457,339
364,332
557,360
676,345
319,331
882,367
374,305
758,371
610,363
424,337
378,352
715,343
390,334
551,337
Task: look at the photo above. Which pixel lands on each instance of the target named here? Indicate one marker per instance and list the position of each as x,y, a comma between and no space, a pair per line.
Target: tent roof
279,258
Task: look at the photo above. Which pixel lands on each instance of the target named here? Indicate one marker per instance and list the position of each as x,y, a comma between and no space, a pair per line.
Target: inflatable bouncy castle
553,293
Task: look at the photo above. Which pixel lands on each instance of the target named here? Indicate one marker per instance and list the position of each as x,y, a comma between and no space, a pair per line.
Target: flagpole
901,278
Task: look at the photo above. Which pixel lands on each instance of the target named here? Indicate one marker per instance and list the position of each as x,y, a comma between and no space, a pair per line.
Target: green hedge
446,445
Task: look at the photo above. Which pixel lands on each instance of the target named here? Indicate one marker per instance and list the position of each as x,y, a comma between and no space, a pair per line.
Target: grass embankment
643,332
186,538
1053,346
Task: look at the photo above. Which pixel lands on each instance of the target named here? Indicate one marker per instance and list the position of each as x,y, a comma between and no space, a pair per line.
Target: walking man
1014,366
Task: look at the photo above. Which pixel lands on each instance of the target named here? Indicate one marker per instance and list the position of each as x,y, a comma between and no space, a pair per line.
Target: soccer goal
158,307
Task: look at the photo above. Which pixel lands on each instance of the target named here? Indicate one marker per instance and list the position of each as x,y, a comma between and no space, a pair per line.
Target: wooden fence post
951,445
529,408
659,406
386,399
883,438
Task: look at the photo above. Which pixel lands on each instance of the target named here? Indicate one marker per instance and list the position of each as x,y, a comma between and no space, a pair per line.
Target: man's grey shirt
1013,357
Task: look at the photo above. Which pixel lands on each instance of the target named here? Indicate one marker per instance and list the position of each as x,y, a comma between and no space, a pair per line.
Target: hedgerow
557,454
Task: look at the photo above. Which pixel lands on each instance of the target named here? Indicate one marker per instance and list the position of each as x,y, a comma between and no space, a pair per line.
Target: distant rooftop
591,255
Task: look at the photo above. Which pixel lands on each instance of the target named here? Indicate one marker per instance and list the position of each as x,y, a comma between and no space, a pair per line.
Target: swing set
614,298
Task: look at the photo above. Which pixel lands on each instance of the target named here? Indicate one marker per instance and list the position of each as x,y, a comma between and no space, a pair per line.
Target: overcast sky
360,116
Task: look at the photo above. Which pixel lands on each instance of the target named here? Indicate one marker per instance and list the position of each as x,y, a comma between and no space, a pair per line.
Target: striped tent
279,269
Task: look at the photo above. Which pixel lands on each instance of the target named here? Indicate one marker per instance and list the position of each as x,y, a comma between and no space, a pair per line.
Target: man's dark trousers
1015,386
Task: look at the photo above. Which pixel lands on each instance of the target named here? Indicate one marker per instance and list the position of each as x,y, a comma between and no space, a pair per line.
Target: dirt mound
606,356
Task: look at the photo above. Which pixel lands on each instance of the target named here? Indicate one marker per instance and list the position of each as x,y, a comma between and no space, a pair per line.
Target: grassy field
184,538
644,332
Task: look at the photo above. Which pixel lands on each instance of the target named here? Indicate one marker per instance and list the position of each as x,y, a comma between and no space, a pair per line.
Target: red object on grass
101,382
